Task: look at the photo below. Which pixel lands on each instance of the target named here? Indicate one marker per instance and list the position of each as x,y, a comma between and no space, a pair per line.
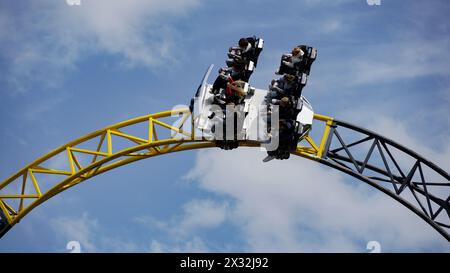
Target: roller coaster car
211,110
249,115
304,119
292,130
302,67
235,54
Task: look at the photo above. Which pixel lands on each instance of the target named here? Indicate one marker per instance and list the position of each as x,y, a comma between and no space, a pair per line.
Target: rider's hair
296,51
243,42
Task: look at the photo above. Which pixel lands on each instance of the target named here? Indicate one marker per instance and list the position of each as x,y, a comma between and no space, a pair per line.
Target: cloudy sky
69,70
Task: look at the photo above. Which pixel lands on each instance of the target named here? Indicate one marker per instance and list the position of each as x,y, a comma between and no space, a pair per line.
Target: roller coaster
384,164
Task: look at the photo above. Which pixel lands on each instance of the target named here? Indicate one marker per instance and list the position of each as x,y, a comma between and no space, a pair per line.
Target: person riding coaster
286,135
240,65
248,49
298,61
230,85
294,124
233,96
284,86
288,85
295,112
295,119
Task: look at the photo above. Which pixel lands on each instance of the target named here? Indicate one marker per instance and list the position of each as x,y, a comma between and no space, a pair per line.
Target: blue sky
69,70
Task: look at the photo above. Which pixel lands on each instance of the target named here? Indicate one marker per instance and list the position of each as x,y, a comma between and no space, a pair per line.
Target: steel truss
123,143
396,171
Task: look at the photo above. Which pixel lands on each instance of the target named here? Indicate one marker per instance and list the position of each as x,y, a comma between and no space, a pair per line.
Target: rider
286,109
286,134
228,83
286,93
284,86
290,63
248,51
294,58
229,74
244,53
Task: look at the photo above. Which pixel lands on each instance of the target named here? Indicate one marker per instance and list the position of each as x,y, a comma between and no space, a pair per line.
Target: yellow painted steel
178,139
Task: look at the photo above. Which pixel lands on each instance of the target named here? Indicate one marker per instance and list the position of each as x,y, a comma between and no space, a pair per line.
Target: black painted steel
391,178
4,225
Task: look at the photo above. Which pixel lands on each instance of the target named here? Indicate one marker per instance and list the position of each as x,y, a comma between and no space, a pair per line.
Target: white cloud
403,60
80,229
198,215
297,205
91,235
135,29
383,63
331,25
195,244
185,232
202,214
51,36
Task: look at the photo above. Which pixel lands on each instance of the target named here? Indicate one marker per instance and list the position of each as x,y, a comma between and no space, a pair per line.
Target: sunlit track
153,135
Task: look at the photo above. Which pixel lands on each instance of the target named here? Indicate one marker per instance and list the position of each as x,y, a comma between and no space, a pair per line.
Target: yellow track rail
101,152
